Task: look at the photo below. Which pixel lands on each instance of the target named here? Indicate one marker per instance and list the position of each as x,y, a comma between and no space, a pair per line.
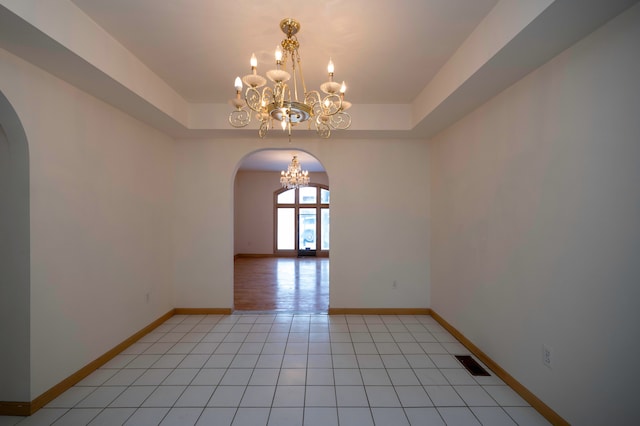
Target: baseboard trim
202,311
379,311
28,408
546,411
10,408
253,255
293,254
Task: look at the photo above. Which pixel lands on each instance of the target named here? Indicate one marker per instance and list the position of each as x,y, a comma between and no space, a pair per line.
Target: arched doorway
265,278
14,257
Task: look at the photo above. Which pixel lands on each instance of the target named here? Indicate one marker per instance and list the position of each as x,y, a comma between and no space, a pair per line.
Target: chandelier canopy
294,177
282,102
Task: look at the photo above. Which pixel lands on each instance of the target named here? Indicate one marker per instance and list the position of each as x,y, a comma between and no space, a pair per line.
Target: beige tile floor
286,369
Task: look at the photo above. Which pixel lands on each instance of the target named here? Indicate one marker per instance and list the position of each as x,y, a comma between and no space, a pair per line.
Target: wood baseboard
28,408
293,254
253,255
10,408
379,311
546,411
202,311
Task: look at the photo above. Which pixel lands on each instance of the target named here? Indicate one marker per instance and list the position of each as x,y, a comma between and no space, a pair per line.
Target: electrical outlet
547,355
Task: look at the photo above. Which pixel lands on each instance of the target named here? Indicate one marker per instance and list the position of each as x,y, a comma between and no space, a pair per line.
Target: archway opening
271,275
14,257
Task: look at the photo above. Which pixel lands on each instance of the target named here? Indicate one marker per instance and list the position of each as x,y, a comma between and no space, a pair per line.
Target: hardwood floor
282,284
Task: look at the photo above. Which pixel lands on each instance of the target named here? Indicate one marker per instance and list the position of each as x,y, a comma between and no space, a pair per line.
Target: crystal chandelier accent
283,102
294,177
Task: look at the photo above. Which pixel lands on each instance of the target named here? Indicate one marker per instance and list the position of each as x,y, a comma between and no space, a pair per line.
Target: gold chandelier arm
331,104
340,121
278,94
267,96
322,127
264,127
281,95
253,99
312,98
239,118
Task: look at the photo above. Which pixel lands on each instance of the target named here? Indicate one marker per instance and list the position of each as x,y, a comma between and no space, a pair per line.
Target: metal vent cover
472,365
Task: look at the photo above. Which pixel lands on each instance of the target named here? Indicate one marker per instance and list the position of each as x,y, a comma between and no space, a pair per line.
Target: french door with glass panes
302,221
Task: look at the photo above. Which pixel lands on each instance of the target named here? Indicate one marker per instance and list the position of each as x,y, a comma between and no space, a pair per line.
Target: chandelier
283,102
294,177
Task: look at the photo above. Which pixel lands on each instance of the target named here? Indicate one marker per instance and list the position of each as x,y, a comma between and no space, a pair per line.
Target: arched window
302,221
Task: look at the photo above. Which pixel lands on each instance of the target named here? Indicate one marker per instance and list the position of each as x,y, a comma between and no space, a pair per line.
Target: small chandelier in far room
294,177
288,101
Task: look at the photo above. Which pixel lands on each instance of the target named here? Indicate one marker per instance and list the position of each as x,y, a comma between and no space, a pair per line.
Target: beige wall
101,192
535,225
253,209
379,223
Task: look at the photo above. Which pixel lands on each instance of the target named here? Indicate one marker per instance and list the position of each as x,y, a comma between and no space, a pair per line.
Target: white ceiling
412,67
276,160
385,50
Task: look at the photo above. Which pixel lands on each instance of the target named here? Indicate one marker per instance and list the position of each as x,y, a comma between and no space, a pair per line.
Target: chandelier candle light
294,177
281,102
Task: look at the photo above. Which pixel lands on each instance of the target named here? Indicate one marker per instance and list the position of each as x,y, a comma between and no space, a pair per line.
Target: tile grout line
293,327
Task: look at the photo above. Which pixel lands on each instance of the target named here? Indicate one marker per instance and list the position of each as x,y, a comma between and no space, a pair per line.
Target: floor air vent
472,365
